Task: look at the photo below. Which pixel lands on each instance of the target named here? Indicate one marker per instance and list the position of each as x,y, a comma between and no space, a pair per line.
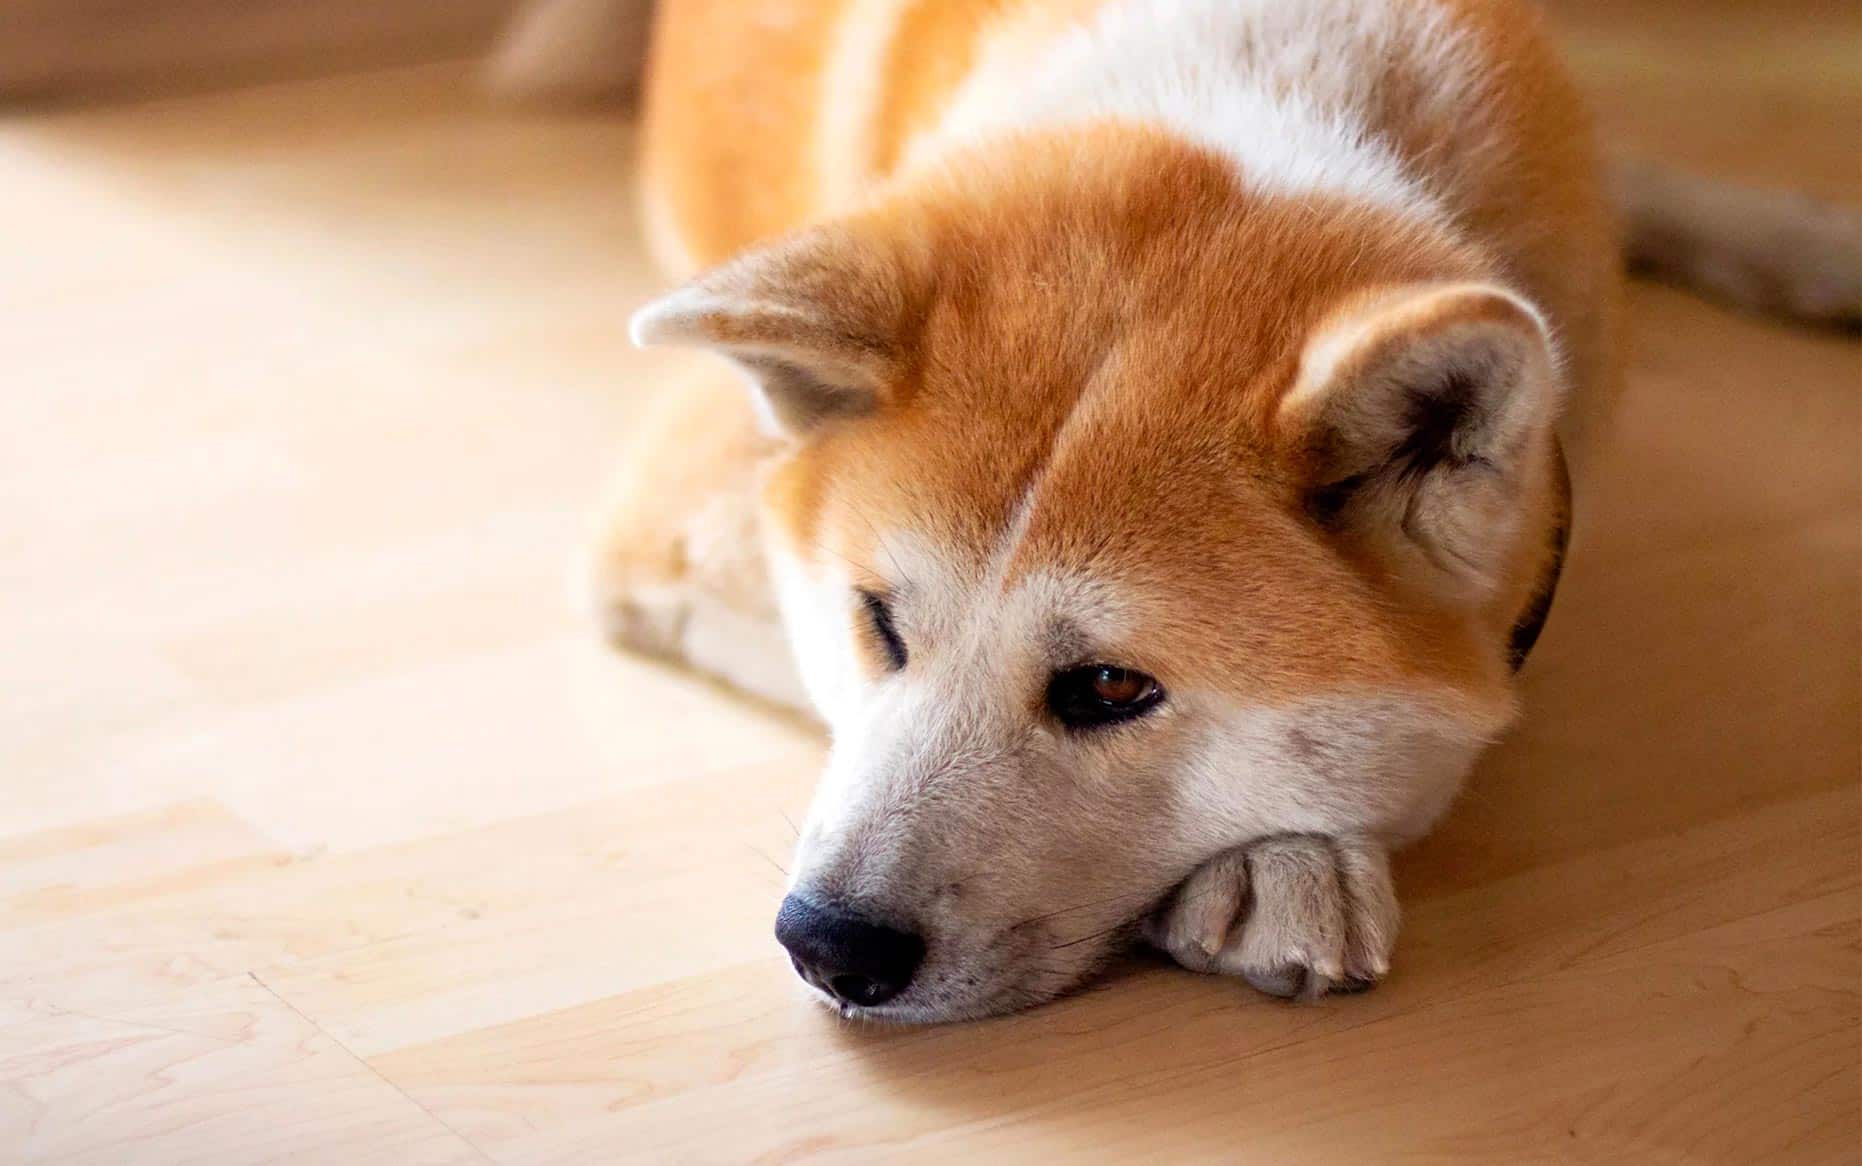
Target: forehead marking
1094,387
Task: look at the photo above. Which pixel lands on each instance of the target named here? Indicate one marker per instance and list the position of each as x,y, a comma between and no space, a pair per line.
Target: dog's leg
1295,916
676,569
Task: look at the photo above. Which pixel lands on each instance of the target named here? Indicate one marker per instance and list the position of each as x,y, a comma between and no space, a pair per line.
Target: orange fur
1154,463
1157,459
1215,348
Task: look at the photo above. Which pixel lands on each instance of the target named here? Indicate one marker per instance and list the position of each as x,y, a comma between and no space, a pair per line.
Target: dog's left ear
816,322
1421,419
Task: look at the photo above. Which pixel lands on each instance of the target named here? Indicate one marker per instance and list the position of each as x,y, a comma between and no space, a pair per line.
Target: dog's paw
693,594
1295,916
649,619
638,586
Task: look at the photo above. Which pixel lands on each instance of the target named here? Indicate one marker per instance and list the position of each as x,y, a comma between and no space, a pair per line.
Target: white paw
698,603
685,623
1295,916
650,619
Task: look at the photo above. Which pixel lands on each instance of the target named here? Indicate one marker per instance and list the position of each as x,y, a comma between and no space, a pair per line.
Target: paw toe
1295,917
1287,981
647,621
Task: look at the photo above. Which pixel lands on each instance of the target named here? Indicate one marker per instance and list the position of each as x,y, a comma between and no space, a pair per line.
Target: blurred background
117,50
1784,73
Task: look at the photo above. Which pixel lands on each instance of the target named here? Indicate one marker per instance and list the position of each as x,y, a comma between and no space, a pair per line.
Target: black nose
859,962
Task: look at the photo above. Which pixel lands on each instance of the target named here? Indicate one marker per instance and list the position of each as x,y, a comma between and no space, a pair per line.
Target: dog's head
1126,516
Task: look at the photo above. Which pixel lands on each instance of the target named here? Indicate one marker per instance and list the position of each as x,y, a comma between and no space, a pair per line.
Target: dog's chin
906,1013
910,1012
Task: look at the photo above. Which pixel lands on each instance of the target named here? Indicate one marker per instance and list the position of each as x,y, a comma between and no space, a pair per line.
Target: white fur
1347,334
685,621
817,611
950,800
746,650
1378,764
1284,89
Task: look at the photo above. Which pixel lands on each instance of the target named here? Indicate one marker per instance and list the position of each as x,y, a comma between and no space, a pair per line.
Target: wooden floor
328,834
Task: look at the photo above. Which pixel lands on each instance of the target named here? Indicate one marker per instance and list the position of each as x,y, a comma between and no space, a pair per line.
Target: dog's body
1168,406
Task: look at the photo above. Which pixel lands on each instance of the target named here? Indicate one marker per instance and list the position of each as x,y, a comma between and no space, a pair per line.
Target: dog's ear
1421,418
815,320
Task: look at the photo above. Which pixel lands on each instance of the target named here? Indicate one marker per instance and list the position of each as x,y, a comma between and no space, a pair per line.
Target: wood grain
328,834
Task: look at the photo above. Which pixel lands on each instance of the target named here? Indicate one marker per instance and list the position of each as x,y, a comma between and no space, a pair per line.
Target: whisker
879,540
1100,934
1080,907
766,858
1116,926
859,568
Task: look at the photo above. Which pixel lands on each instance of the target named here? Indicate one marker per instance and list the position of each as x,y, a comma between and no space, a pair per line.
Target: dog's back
1457,109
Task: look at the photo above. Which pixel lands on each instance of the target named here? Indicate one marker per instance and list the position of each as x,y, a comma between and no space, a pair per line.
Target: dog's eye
1100,694
879,618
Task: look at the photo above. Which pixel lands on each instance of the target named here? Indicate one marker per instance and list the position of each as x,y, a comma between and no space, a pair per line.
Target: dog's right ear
815,320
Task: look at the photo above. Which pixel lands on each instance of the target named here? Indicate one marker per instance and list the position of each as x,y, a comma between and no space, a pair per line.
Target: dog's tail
1765,251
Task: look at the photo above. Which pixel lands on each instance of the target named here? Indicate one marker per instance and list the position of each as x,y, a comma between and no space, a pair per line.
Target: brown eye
1101,694
1121,685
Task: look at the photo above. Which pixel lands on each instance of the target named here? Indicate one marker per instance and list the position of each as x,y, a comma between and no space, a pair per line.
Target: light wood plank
1539,971
229,1073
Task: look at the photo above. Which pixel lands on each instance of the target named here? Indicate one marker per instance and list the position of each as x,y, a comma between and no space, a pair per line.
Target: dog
1159,456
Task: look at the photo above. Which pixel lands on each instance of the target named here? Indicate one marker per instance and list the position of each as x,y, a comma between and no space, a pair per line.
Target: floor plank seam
373,1071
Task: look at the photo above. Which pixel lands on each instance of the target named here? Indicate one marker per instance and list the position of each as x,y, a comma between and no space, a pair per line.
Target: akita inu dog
1164,420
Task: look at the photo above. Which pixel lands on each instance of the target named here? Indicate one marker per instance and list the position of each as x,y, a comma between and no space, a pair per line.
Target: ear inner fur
815,322
1422,413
